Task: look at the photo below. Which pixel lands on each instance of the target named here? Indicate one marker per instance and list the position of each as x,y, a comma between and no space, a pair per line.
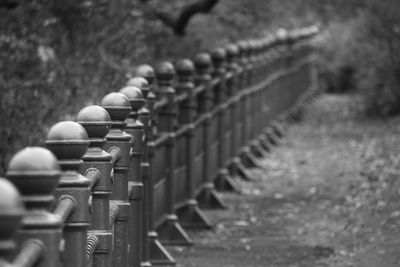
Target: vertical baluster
97,167
154,252
35,172
119,144
207,197
247,158
257,104
135,128
227,182
190,216
170,231
11,213
218,57
68,140
242,107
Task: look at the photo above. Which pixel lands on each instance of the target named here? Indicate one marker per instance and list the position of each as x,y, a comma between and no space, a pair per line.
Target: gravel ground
328,195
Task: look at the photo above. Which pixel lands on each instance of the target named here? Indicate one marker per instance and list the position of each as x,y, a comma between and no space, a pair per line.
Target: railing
133,173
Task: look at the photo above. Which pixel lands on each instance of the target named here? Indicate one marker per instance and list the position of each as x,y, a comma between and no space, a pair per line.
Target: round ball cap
145,71
139,82
184,67
10,199
67,140
117,105
232,50
243,45
34,170
281,34
135,96
95,120
11,209
202,60
165,70
218,54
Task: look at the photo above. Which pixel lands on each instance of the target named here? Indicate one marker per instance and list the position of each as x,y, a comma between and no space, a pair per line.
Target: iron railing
135,171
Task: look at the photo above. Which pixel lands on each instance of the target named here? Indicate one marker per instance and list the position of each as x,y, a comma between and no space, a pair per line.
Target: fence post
35,173
154,252
68,140
11,213
97,167
218,57
208,197
135,128
257,99
170,231
190,216
247,158
118,145
232,53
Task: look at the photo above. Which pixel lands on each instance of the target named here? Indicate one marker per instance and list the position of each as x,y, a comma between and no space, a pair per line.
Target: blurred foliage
57,56
360,53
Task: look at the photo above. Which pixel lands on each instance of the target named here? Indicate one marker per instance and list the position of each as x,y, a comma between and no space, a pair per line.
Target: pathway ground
329,195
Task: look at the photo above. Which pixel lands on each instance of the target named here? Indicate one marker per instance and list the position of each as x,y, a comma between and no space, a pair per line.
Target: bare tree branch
179,22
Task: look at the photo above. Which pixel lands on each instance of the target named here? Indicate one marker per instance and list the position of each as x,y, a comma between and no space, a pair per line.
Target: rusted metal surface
132,174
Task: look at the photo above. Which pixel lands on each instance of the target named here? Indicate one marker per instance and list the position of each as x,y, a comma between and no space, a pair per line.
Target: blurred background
57,56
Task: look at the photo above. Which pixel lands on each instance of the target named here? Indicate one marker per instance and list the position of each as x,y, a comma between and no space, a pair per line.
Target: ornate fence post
135,128
257,103
207,197
170,231
68,140
242,107
118,145
154,252
97,167
218,57
232,53
189,214
248,159
35,172
11,213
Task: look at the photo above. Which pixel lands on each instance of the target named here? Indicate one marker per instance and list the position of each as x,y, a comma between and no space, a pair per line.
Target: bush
361,53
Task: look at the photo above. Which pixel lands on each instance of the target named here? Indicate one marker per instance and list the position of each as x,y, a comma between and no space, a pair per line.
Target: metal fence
133,173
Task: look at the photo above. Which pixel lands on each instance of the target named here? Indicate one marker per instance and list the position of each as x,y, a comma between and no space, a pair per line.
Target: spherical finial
145,71
218,55
34,171
184,68
10,199
281,35
165,71
95,120
232,50
140,83
243,47
134,95
11,211
117,105
252,45
202,61
67,140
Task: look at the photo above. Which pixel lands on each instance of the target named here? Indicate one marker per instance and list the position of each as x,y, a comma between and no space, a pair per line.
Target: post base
225,182
159,256
190,216
239,169
257,149
171,233
248,159
209,199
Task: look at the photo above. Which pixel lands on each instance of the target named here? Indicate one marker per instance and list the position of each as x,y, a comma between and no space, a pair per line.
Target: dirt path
328,196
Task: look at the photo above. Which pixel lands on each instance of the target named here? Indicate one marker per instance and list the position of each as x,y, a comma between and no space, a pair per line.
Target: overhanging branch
179,22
